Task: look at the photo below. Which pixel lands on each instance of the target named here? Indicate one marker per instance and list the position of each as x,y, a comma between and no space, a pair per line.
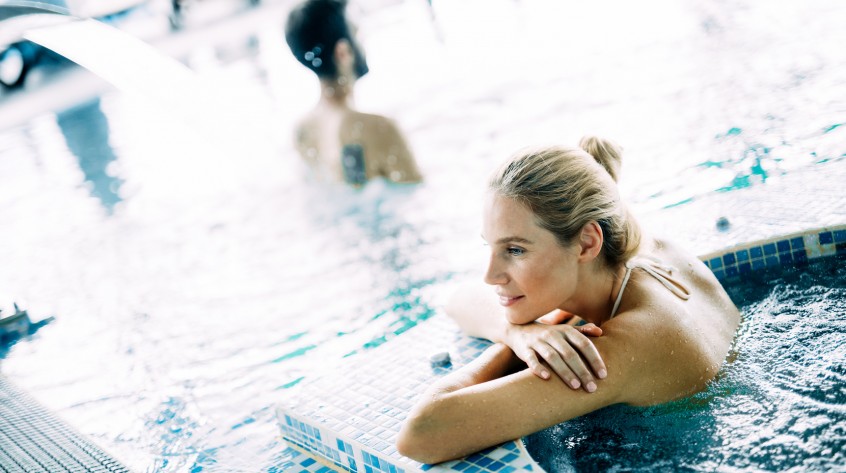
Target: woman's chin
518,317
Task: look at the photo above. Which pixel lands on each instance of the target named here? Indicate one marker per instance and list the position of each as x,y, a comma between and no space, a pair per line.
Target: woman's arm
486,403
564,349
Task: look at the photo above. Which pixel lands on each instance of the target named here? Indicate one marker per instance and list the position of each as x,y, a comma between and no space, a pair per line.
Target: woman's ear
590,241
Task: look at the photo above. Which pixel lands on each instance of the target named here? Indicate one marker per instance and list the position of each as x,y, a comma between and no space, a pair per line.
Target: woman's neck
337,93
598,289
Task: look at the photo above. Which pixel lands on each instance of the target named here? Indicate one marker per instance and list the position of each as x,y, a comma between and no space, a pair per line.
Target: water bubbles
396,175
317,62
309,56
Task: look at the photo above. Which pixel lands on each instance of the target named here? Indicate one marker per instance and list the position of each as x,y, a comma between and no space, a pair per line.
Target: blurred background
151,201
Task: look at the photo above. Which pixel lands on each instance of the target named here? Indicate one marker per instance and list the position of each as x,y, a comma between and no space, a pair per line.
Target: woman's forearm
433,415
495,362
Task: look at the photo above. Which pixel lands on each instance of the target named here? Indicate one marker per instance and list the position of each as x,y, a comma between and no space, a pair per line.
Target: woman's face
532,273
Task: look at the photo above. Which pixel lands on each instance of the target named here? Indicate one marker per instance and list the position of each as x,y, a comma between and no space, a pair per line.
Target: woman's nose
494,275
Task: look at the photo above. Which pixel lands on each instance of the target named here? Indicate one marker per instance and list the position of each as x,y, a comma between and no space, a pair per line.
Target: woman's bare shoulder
657,351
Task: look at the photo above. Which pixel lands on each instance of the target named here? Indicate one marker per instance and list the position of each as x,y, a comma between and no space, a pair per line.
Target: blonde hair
566,188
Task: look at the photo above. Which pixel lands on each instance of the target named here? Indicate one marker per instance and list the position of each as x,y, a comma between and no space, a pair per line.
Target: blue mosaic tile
840,236
756,252
797,243
769,249
728,259
744,268
757,264
783,245
772,261
841,248
785,259
799,257
716,263
720,275
826,238
731,271
743,255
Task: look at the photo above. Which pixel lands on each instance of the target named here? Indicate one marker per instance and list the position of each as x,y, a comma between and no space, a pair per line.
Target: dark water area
777,406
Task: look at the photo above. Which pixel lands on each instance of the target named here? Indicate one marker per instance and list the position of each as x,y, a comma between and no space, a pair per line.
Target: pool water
194,274
777,405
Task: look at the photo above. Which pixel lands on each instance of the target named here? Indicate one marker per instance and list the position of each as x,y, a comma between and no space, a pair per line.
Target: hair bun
605,152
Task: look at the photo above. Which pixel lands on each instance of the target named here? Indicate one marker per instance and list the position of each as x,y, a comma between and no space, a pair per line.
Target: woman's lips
506,301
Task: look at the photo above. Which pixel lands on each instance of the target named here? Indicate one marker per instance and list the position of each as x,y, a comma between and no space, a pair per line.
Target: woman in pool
563,243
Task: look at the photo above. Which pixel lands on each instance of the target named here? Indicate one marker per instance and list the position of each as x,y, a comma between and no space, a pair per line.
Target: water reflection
86,131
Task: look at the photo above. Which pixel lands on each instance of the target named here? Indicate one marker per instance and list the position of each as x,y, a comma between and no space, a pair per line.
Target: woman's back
682,342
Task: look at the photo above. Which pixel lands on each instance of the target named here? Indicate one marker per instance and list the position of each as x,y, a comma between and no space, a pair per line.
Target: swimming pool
191,287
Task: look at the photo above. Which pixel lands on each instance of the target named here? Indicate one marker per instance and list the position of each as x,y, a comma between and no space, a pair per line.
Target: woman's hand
563,348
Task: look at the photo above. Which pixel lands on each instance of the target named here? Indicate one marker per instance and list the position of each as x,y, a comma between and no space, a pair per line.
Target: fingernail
575,384
590,387
544,375
602,374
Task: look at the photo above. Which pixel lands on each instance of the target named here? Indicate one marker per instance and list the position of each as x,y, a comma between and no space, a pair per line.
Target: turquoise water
776,406
194,274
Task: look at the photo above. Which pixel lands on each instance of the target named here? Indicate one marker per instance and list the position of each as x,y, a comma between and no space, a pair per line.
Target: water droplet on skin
396,175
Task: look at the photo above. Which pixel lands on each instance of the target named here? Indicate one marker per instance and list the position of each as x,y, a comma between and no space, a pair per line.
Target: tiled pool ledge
795,249
349,419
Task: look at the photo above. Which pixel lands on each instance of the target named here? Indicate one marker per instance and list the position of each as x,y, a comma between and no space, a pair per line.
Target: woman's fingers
588,351
532,362
575,365
590,330
554,355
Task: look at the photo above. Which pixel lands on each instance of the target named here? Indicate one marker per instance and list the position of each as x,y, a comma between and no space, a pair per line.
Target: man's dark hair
312,31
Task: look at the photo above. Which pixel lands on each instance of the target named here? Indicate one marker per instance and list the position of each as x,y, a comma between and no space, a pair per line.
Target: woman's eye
516,251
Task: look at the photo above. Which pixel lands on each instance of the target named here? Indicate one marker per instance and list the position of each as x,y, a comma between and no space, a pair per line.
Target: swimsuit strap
663,273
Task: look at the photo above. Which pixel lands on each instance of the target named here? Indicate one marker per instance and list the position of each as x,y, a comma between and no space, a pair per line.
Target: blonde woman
562,243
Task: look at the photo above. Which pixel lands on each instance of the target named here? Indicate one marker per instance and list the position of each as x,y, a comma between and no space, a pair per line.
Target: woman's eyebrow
512,239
